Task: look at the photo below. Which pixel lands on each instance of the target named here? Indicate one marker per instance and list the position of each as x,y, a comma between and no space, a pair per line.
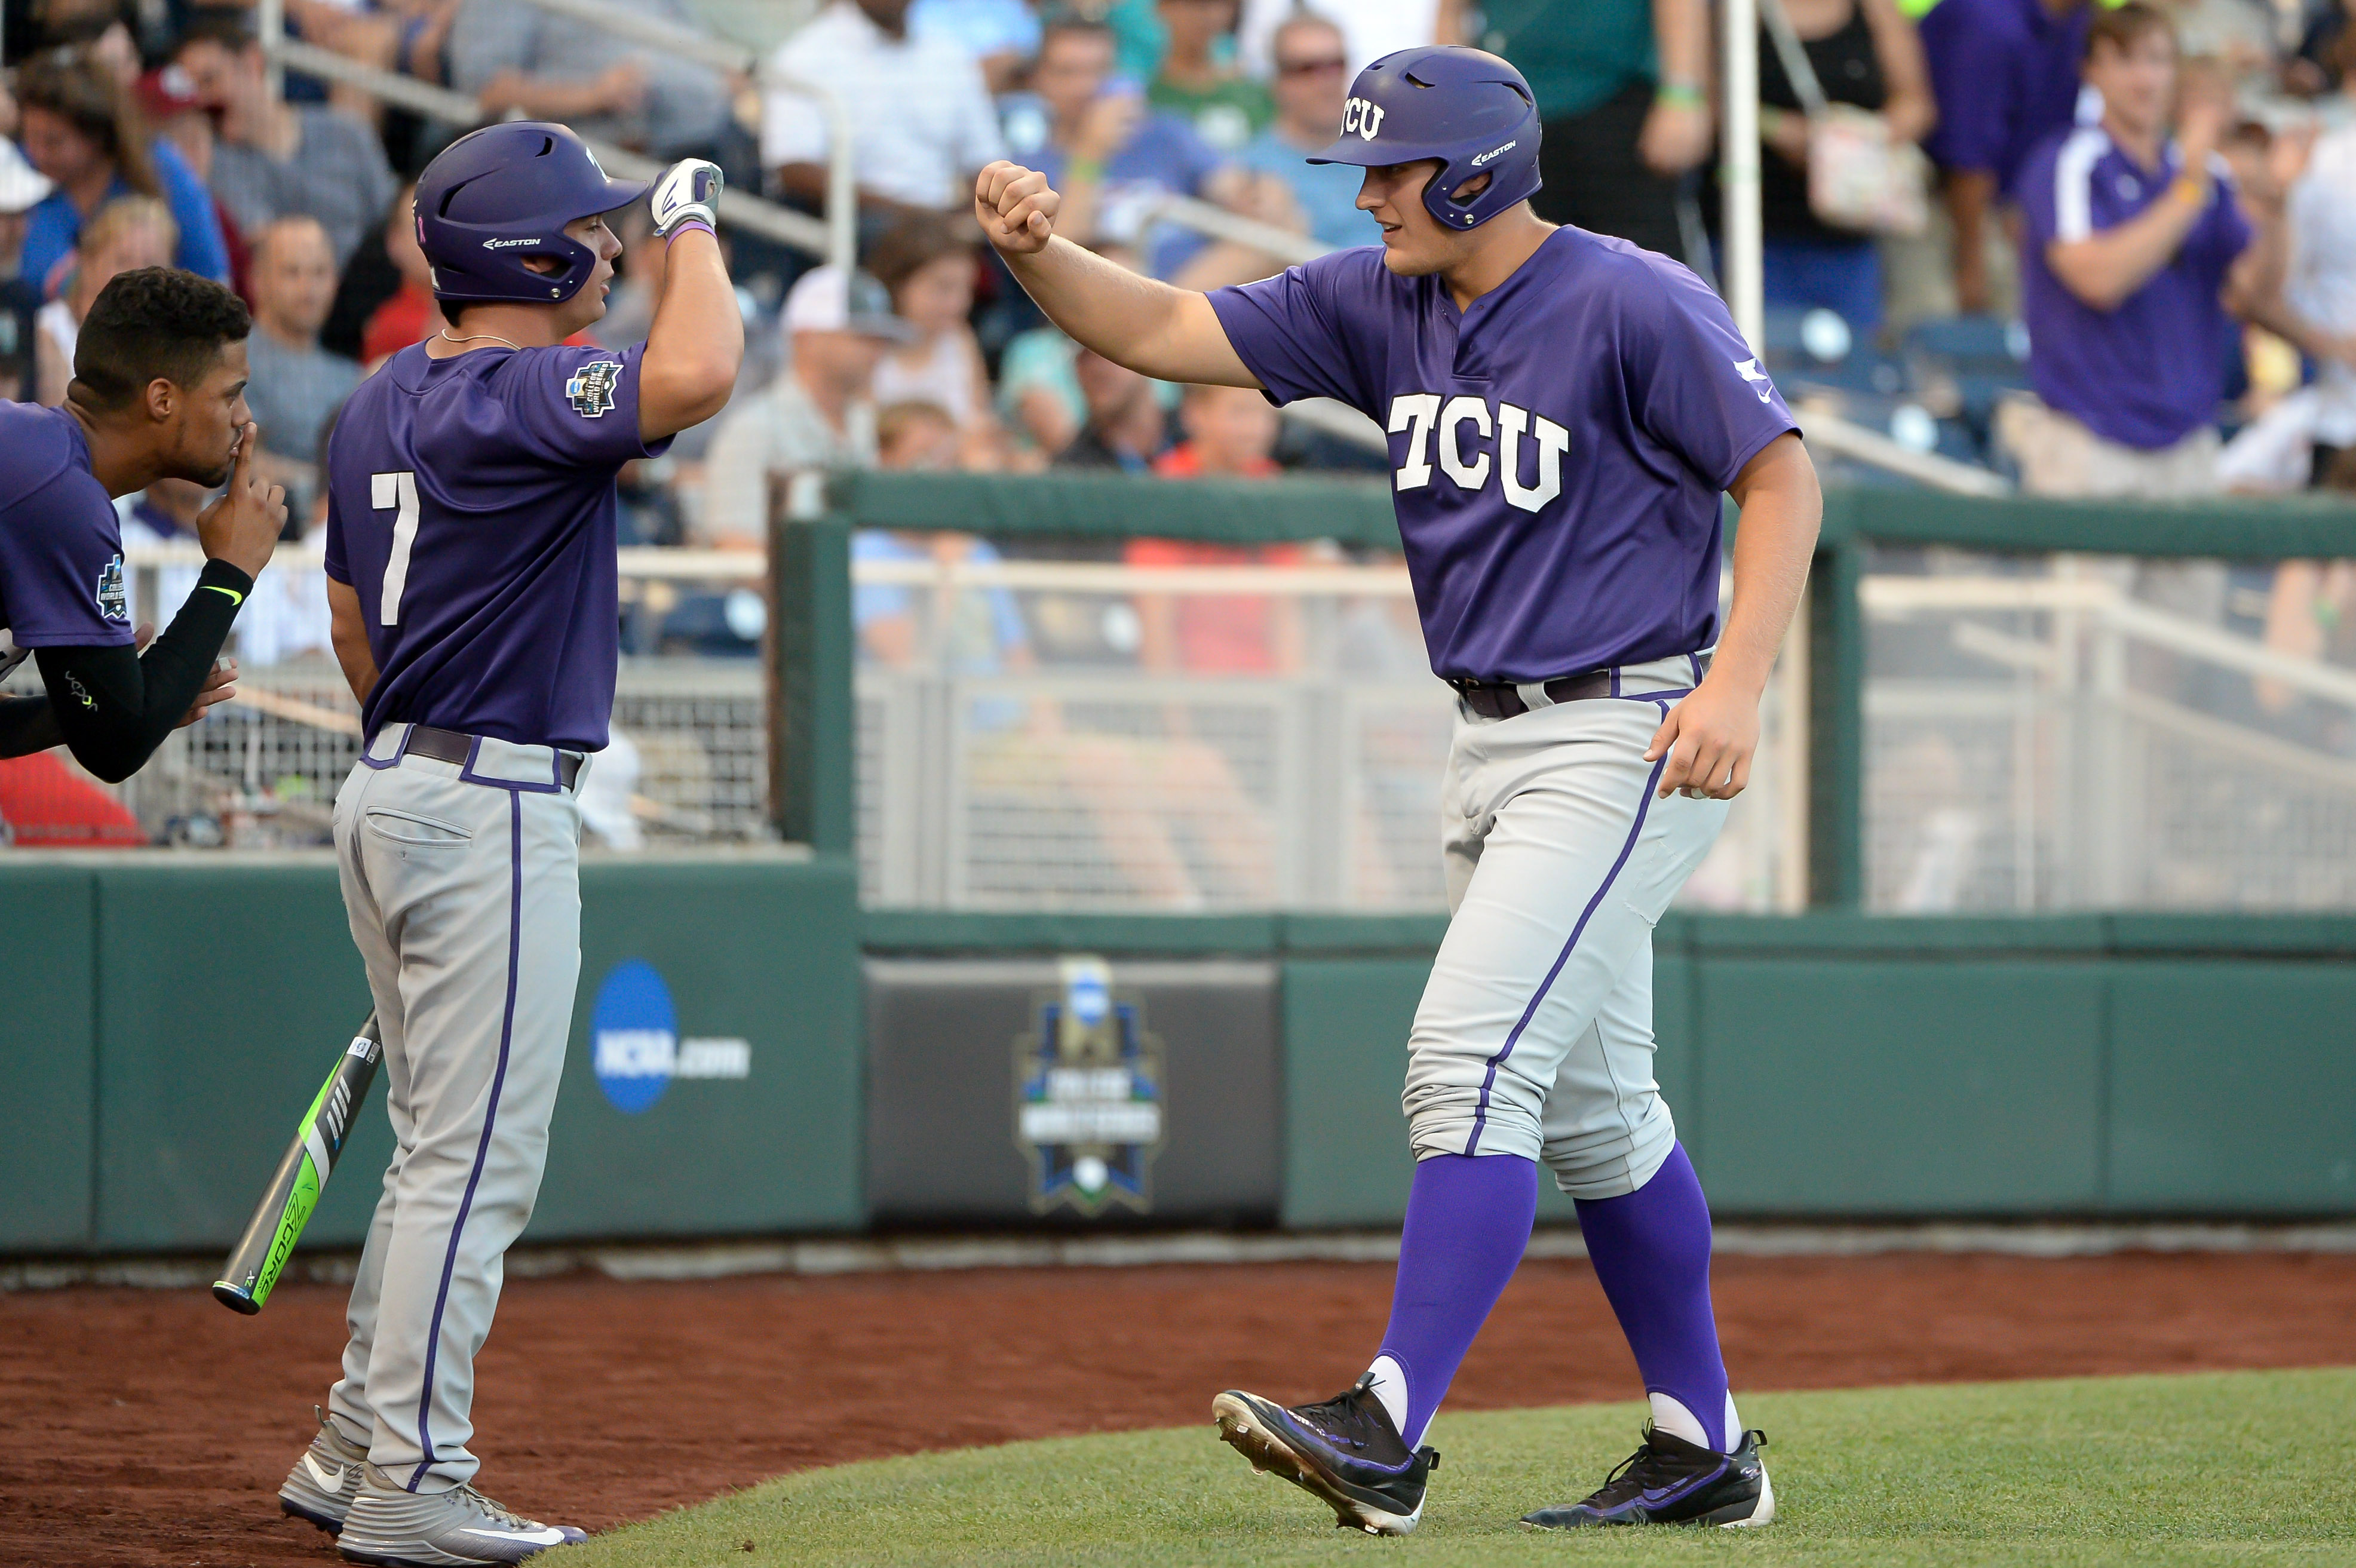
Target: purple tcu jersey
2150,371
471,507
1558,449
60,549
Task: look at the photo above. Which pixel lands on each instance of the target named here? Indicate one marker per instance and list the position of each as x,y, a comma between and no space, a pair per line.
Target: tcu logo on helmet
1362,118
1428,424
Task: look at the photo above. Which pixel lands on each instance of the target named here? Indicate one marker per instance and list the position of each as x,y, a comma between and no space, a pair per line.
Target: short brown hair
915,242
79,90
2123,27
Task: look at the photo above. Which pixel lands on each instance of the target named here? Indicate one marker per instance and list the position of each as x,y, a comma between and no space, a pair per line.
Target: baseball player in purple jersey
472,579
158,392
1564,412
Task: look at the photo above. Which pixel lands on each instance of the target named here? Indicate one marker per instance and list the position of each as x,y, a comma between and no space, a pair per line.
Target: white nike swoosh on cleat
329,1476
544,1536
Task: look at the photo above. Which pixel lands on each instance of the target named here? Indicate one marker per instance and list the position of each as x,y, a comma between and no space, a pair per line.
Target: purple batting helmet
498,195
1469,109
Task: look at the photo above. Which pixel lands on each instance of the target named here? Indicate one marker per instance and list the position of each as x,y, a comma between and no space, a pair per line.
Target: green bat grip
261,1254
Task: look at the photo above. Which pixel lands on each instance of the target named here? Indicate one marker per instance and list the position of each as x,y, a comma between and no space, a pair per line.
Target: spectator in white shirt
818,413
926,123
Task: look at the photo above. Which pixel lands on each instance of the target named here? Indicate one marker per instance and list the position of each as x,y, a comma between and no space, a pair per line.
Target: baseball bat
261,1254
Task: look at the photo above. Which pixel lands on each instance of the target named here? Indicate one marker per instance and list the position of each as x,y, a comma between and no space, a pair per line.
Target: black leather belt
1502,699
1495,699
449,746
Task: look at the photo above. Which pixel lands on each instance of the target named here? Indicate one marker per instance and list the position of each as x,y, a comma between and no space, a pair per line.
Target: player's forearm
696,340
113,707
1783,507
348,636
1170,334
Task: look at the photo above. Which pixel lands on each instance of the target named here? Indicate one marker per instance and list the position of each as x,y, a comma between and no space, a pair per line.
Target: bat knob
236,1298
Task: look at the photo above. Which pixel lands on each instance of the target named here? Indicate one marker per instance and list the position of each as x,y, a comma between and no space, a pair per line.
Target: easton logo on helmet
510,244
1362,118
1492,153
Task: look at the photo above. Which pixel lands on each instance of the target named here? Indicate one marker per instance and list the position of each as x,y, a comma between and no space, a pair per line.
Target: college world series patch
591,390
114,599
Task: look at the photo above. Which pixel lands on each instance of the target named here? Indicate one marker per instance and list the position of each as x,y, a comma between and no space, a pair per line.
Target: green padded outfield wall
1844,1065
48,1059
225,986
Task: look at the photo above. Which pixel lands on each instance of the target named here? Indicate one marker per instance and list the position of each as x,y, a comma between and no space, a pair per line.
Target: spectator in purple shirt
2135,248
2005,73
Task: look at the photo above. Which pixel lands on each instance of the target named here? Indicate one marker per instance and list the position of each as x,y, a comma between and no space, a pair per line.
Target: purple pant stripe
1480,1111
482,1148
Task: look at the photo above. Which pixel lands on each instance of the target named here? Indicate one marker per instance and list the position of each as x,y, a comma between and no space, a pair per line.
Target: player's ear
163,400
1470,187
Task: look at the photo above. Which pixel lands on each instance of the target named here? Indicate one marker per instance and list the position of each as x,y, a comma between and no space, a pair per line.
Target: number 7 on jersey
398,494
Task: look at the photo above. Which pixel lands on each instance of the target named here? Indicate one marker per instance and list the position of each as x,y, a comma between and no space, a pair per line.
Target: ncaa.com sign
635,1044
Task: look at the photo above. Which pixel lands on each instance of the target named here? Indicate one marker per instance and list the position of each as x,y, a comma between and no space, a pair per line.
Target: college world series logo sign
1088,1095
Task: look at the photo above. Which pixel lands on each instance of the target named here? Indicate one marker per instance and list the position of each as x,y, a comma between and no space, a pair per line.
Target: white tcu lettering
1553,442
1415,413
1428,423
1362,118
1452,419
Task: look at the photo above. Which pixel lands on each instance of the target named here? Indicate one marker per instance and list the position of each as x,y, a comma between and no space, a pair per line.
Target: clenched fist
1016,207
688,192
242,526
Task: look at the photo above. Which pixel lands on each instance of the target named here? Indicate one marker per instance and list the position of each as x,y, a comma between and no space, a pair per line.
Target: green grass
2241,1467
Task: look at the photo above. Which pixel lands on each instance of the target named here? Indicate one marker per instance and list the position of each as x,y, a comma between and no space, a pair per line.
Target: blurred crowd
2108,249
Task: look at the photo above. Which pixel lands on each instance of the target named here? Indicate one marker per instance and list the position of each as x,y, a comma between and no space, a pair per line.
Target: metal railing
831,240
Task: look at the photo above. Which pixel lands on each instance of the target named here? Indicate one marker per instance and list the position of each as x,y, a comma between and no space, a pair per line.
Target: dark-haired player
158,393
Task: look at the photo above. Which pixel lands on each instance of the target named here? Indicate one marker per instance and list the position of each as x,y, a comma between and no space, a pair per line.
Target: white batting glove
688,192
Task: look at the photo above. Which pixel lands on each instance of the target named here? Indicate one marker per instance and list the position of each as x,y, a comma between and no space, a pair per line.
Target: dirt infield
152,1427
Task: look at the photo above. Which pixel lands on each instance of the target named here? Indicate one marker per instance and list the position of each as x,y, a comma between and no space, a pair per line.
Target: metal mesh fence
1247,735
687,763
2078,732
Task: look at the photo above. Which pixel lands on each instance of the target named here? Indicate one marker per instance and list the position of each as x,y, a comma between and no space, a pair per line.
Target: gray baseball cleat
461,1528
319,1490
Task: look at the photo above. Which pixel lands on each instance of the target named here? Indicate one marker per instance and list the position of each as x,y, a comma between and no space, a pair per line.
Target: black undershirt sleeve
26,726
113,707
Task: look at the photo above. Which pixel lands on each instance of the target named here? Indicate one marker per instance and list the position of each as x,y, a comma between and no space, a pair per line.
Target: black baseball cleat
1345,1451
1672,1481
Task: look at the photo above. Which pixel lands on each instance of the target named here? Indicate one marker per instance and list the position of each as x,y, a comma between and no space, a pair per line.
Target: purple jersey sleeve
577,407
1312,331
1694,384
62,577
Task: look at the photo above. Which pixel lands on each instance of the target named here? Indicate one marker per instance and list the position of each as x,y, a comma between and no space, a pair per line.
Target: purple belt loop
398,752
1615,680
1695,660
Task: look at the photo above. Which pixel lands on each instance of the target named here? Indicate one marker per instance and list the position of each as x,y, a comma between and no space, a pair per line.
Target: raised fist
1016,207
689,190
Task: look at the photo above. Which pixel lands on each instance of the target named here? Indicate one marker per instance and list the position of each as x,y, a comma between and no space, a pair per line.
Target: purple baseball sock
1651,1252
1468,1219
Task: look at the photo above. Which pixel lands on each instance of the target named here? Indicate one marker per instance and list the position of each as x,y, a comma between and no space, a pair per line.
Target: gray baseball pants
462,883
1535,1034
